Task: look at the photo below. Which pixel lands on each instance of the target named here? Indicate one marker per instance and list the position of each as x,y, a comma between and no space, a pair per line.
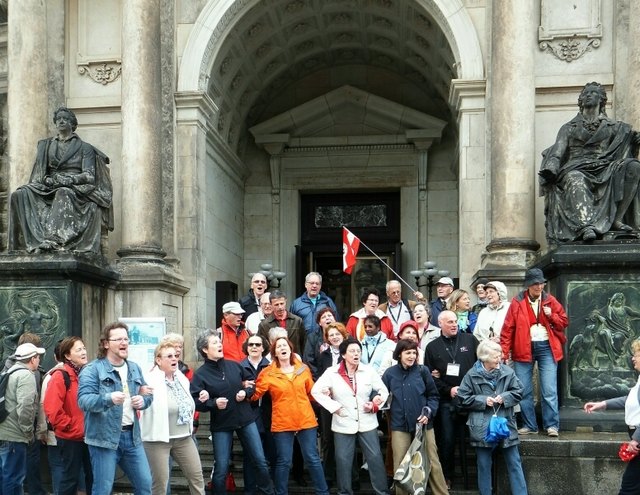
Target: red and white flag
350,246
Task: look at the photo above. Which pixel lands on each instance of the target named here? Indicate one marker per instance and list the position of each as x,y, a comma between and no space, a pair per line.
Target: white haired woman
491,318
491,388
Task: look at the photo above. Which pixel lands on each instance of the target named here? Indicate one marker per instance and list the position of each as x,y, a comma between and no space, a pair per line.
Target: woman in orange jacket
289,383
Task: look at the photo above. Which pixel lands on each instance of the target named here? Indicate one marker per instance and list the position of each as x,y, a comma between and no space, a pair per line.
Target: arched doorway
256,61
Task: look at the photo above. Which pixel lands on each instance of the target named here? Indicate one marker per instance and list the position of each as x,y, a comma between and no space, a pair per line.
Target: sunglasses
254,344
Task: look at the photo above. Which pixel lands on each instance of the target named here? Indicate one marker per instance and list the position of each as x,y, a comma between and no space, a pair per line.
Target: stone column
513,165
28,82
141,131
633,68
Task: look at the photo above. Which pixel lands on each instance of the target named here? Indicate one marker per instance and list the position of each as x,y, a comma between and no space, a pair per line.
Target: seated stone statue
590,176
67,204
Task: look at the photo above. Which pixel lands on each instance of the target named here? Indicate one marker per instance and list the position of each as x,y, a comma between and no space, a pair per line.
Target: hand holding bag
413,472
625,454
498,429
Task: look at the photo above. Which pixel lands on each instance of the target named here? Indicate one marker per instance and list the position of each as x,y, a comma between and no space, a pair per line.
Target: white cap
26,351
233,307
445,281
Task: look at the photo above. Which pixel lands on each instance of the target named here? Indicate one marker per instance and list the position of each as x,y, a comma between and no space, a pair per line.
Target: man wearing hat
444,288
16,431
232,331
479,288
533,331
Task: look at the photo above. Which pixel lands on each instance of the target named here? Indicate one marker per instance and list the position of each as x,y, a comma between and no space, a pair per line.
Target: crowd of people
293,379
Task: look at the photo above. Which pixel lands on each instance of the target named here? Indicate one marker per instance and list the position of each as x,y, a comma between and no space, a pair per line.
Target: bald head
448,323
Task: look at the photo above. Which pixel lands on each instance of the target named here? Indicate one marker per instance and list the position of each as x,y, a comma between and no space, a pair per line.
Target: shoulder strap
65,377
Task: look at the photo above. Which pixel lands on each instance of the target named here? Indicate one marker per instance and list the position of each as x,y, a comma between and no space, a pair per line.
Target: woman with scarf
370,301
352,393
460,303
631,405
491,318
426,330
491,388
166,425
66,417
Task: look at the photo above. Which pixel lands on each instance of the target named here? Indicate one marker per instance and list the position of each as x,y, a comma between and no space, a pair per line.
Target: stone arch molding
219,16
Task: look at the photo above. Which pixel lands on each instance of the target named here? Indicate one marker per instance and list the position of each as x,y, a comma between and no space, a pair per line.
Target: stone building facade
226,119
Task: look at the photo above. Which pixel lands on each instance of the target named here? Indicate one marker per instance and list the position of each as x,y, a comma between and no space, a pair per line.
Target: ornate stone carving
569,29
294,7
569,49
101,72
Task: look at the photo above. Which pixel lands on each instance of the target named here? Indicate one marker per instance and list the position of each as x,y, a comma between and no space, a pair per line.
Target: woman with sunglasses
256,348
166,425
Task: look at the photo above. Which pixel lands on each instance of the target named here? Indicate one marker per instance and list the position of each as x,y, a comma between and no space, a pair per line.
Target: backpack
67,385
4,380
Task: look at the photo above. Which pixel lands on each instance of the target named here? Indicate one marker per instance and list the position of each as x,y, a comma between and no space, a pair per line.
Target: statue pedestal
53,295
598,285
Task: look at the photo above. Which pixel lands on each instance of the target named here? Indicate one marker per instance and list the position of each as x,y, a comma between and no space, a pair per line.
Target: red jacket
515,337
356,320
232,341
61,405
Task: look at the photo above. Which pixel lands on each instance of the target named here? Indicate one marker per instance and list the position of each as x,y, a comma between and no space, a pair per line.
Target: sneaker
552,432
526,431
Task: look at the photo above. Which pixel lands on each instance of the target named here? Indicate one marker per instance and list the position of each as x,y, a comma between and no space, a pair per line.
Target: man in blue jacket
311,301
111,390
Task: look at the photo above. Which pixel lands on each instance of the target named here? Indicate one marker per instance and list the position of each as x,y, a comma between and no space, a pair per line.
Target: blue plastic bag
498,429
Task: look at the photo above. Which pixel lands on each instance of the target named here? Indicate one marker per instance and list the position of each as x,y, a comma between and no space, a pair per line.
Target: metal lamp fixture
274,277
429,272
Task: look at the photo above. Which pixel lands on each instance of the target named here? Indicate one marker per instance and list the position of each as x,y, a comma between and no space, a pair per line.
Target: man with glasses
307,305
16,431
111,391
396,308
533,331
254,319
251,302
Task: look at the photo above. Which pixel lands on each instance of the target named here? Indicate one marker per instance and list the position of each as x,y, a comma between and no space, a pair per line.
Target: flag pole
385,264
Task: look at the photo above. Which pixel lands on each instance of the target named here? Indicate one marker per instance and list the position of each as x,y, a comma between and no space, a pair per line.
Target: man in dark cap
478,288
533,331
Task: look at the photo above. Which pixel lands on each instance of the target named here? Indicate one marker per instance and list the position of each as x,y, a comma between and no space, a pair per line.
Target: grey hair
386,287
203,340
276,294
311,274
173,338
488,349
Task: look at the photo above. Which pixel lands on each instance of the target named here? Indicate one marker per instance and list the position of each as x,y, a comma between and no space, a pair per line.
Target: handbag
625,454
414,469
498,428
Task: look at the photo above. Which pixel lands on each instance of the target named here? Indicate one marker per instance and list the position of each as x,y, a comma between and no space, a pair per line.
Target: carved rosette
569,49
101,72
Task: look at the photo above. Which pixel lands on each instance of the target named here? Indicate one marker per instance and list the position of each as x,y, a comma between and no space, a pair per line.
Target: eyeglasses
254,344
169,356
373,300
119,340
395,292
259,282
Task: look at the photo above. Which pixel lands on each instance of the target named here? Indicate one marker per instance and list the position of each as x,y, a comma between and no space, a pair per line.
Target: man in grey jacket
21,403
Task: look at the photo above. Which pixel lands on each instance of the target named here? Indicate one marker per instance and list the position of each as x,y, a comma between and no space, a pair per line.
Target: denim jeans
55,466
13,457
548,378
33,481
250,483
131,459
76,463
484,457
251,447
284,448
345,448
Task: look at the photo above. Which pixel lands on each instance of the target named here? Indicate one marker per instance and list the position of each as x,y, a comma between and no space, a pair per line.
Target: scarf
179,395
73,366
463,320
491,376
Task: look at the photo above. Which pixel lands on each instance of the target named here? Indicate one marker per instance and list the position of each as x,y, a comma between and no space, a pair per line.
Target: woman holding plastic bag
489,391
414,403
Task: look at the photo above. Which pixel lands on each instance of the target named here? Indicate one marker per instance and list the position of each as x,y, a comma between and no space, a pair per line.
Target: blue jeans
250,483
345,448
76,463
484,457
55,466
284,448
251,447
548,378
131,459
32,479
13,457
